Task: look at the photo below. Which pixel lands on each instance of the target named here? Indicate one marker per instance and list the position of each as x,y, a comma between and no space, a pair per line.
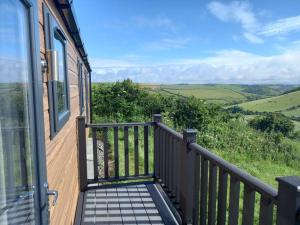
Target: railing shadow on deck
204,188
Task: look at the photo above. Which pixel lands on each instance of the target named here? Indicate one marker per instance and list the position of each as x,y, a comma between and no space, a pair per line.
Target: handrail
243,176
176,134
102,125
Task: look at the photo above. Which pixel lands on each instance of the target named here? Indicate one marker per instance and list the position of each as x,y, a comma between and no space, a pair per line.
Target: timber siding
61,151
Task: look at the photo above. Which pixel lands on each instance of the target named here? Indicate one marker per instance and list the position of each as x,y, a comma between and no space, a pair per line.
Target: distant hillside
288,104
267,90
220,93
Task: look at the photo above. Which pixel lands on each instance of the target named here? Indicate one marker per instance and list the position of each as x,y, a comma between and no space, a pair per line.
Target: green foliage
118,102
219,130
273,123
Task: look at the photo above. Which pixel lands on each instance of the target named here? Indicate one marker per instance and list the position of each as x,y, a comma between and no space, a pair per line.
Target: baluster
203,190
136,150
222,197
126,151
234,201
146,151
157,119
248,206
105,143
95,155
212,194
266,211
116,151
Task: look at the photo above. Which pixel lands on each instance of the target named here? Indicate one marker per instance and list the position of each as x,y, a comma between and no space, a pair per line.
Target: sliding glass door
19,183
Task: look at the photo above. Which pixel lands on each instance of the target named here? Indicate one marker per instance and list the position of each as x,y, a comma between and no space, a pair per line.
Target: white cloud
236,11
167,43
101,62
229,66
241,12
155,22
281,26
253,38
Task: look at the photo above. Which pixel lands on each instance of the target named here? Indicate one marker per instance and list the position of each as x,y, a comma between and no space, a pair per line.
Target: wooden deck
133,203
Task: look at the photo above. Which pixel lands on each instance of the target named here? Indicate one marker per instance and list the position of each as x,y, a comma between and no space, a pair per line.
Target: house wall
61,151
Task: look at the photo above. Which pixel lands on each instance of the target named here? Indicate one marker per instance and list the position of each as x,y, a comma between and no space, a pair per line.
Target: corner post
190,169
157,118
82,163
288,211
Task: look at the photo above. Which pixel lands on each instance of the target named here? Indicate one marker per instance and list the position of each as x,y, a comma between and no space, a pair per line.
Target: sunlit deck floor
141,203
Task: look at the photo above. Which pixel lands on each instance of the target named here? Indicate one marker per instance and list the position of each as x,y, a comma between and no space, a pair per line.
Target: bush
273,123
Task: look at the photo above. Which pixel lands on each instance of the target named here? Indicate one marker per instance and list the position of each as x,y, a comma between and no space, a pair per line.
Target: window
80,86
58,87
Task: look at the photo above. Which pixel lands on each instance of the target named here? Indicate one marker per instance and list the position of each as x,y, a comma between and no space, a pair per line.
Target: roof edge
66,10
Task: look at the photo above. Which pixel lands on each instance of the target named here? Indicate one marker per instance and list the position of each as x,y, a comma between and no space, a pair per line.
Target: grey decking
125,204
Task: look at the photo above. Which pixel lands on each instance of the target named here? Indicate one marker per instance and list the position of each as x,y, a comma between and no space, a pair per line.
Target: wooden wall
61,151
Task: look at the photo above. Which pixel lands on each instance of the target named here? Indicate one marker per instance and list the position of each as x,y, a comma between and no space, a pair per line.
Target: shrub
273,122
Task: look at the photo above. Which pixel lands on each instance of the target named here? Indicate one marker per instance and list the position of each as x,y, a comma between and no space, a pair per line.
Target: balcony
147,173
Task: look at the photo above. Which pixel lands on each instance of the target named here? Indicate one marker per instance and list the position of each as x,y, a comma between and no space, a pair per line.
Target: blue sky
195,41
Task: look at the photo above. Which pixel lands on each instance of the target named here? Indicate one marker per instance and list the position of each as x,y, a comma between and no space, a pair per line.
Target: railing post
189,170
288,211
157,118
82,163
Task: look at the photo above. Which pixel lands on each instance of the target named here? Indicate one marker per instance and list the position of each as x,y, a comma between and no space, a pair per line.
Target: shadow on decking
131,203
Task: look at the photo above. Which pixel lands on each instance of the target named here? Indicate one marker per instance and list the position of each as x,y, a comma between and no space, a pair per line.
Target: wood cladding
61,151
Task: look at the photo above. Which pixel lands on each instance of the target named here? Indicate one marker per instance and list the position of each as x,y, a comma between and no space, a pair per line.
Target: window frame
87,112
54,31
80,86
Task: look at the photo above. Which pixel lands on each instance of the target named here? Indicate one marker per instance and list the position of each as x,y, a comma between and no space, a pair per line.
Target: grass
297,125
288,104
217,93
121,151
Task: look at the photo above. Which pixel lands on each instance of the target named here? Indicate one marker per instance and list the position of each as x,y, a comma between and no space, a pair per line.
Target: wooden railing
203,187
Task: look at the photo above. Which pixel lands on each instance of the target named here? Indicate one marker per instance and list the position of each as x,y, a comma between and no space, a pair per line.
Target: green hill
287,104
220,93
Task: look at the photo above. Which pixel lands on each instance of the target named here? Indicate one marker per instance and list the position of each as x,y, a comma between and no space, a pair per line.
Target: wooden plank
146,150
222,197
95,155
116,151
212,194
161,139
177,171
126,151
203,190
234,197
248,206
105,143
167,162
197,189
266,211
173,168
136,150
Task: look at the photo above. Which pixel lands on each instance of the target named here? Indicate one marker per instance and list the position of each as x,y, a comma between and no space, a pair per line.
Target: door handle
54,193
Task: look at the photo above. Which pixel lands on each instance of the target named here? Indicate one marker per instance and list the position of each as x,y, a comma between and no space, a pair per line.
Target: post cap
292,181
157,118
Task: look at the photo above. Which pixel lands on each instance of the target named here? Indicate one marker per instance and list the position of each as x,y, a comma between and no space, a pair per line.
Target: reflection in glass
61,82
16,170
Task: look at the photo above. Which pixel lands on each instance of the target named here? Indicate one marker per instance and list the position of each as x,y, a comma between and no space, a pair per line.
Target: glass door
19,179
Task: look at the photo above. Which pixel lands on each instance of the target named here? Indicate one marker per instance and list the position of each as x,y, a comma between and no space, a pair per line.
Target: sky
194,41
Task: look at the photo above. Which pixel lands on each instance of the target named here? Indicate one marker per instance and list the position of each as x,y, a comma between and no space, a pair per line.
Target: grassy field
219,93
288,104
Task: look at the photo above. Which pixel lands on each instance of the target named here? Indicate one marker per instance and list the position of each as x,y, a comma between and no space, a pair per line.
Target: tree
273,122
